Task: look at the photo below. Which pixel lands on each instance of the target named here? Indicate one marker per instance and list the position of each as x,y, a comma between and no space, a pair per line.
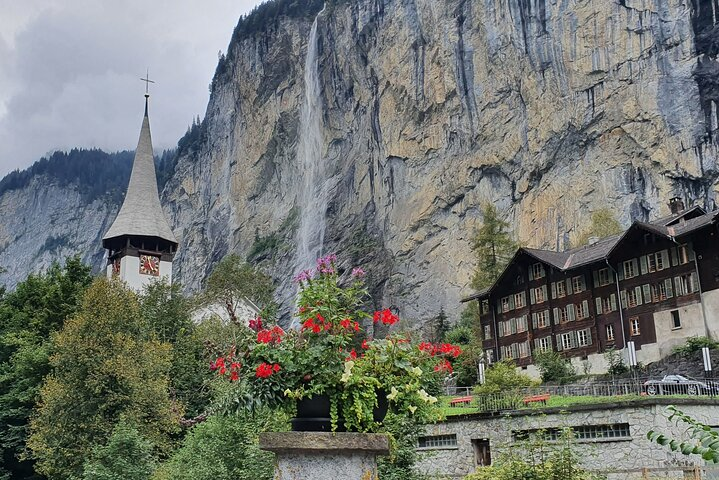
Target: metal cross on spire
147,82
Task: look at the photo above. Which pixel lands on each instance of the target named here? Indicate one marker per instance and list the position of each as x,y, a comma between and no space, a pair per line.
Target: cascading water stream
314,194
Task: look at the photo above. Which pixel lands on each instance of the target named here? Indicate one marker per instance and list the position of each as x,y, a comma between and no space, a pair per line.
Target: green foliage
264,247
694,344
493,247
225,448
167,312
703,440
467,334
502,377
126,456
29,316
537,459
553,367
106,365
232,281
404,433
603,224
615,362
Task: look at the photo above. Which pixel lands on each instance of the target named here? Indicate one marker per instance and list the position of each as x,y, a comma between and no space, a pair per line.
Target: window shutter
556,316
569,286
514,349
499,305
635,266
647,293
536,344
511,302
595,275
531,296
542,271
544,291
638,294
668,286
598,303
620,271
623,298
571,315
678,287
573,340
554,290
513,325
643,264
531,273
613,301
694,282
585,307
690,251
559,343
524,297
675,257
500,329
589,336
665,258
582,282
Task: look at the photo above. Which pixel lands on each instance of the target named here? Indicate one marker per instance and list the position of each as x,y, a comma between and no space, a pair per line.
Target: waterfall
313,196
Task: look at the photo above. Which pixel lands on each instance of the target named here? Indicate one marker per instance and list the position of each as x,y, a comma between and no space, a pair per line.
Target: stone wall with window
610,436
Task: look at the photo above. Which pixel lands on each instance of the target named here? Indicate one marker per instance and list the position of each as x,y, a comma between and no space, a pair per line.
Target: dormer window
537,271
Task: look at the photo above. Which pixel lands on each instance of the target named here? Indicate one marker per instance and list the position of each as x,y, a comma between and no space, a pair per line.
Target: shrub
553,367
502,377
615,362
127,456
694,344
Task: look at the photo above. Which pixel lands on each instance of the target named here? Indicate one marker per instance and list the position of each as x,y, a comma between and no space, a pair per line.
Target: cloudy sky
70,69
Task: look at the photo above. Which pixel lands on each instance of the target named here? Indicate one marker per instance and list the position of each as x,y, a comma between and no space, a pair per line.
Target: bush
553,367
127,456
694,344
615,362
502,377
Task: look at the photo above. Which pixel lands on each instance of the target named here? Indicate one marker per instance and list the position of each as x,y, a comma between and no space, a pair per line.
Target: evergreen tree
29,316
493,247
127,456
107,365
603,224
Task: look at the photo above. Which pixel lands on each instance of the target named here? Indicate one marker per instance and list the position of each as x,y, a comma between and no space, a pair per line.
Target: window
539,294
686,284
603,277
578,284
566,341
562,312
506,352
610,333
519,280
561,290
522,324
659,292
630,268
676,321
489,355
543,344
438,441
505,304
583,310
683,254
609,304
543,319
519,300
632,298
658,261
634,326
487,332
611,432
583,338
523,349
485,307
537,271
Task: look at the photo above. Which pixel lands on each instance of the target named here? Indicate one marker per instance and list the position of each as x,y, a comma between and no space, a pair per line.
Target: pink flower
303,276
358,272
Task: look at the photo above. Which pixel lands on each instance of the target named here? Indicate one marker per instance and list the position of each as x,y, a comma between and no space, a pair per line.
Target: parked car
680,385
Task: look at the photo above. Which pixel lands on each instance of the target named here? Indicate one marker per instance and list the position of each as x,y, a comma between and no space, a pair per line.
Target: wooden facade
593,298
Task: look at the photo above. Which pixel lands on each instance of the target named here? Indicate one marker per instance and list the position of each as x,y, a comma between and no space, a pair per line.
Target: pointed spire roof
141,213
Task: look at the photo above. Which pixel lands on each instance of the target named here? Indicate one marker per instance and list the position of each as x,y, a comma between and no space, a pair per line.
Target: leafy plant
503,377
615,362
127,456
703,440
694,344
603,224
493,246
553,367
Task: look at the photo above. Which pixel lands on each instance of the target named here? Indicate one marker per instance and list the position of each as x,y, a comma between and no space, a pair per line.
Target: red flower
376,317
364,344
386,317
352,355
276,368
345,323
356,327
263,370
443,366
427,347
255,324
234,376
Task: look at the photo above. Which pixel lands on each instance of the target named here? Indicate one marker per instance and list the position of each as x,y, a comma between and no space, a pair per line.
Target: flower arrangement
329,354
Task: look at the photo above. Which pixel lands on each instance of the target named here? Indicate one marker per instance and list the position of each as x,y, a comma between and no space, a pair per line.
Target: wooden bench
460,401
536,398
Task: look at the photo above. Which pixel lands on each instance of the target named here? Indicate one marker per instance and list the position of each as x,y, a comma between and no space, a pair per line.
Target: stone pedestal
325,456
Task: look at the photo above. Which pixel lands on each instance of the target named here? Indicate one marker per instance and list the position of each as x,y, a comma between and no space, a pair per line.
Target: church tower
140,242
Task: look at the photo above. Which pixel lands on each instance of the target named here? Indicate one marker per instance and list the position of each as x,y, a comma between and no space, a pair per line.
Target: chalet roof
672,226
141,213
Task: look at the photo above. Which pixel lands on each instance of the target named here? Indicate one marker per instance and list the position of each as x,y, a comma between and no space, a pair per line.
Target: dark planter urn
313,414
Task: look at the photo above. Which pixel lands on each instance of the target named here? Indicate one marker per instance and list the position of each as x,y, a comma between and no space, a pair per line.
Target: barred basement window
611,432
437,441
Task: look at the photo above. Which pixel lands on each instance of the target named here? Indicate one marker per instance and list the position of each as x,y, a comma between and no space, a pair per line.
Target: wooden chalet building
656,284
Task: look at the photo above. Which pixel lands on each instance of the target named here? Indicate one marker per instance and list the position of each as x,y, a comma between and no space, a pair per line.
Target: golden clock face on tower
150,265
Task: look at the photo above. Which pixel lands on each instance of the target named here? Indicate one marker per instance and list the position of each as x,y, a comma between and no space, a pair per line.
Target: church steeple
140,241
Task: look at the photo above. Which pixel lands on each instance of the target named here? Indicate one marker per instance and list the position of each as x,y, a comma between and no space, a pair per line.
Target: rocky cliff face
549,109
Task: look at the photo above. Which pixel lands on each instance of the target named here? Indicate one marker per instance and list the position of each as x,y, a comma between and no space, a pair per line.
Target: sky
70,71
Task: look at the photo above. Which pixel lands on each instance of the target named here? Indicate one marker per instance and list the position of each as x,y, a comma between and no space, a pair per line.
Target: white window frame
505,304
545,344
634,327
582,310
487,332
561,289
566,339
578,284
632,298
629,268
537,271
604,277
543,319
582,338
519,300
609,331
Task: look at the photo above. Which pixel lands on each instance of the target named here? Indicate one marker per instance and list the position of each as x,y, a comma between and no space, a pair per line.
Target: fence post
645,473
697,472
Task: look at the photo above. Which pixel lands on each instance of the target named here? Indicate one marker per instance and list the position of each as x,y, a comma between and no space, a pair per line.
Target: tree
29,316
233,281
502,377
167,312
493,247
467,334
553,367
127,456
603,224
107,365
